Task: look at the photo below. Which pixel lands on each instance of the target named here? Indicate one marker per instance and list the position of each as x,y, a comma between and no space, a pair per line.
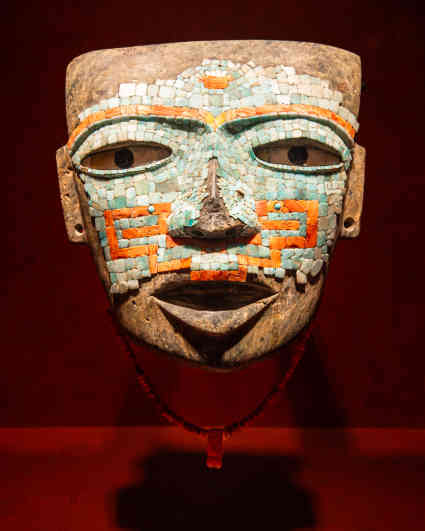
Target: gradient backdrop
64,366
62,361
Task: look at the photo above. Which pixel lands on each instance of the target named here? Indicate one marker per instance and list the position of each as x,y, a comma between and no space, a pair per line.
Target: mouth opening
214,296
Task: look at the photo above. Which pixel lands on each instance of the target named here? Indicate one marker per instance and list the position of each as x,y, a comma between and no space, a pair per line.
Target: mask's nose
214,221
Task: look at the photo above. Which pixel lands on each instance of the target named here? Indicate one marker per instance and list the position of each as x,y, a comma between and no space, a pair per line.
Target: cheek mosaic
223,111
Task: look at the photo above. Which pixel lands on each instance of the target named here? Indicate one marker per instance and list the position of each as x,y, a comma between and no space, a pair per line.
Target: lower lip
219,322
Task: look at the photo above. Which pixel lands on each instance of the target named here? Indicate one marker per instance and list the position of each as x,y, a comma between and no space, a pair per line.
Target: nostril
232,233
240,194
197,233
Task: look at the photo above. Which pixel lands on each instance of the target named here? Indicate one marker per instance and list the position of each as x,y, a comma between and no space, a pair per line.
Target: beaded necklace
214,436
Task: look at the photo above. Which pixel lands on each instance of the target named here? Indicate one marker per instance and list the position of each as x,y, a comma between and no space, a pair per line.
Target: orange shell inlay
216,82
207,117
277,243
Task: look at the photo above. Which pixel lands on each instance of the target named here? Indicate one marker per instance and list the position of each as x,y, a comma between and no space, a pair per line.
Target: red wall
62,362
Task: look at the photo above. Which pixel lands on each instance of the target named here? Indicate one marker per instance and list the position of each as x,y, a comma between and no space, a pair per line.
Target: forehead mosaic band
231,91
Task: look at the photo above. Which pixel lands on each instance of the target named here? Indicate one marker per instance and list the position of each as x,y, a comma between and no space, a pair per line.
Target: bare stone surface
353,204
69,198
289,311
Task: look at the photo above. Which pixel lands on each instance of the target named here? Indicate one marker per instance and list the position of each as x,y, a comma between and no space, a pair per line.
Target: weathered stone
306,266
69,198
301,277
353,204
316,268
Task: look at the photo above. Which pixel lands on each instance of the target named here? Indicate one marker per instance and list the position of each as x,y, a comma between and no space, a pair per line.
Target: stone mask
211,181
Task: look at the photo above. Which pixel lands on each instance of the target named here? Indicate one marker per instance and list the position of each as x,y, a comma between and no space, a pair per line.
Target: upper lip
212,296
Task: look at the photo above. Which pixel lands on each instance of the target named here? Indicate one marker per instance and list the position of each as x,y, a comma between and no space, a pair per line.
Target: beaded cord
214,436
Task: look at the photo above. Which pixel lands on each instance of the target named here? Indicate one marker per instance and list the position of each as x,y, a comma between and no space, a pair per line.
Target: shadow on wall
316,408
250,492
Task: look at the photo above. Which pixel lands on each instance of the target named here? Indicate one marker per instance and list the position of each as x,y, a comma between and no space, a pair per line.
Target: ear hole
79,228
348,222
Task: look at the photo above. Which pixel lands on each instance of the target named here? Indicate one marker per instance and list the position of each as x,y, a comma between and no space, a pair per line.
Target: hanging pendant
215,448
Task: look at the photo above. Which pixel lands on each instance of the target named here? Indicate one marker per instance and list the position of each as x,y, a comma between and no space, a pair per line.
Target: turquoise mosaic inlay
141,212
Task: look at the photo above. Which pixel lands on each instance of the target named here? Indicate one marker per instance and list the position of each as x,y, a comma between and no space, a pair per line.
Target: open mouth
214,316
214,296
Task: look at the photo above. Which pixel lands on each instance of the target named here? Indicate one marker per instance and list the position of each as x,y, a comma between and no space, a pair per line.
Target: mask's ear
70,203
353,204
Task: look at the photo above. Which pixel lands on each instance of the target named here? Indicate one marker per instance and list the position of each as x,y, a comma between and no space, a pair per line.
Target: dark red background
65,373
62,363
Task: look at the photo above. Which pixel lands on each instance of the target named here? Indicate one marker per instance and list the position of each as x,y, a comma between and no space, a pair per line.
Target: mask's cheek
329,212
92,234
299,217
125,236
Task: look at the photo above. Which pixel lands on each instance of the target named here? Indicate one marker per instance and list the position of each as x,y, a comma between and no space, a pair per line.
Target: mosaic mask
211,181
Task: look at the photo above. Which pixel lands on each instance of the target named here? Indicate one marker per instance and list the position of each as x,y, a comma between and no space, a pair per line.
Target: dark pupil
124,158
298,155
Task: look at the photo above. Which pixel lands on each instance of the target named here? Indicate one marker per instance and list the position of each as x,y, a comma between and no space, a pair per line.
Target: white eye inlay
127,156
297,152
152,144
293,143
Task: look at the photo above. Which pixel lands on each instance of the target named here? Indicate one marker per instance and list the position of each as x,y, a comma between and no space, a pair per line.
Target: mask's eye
127,156
297,152
124,158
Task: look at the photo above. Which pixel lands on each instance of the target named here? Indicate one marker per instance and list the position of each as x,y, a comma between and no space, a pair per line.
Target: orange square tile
109,222
275,257
163,208
261,207
242,259
295,242
153,266
277,242
162,226
170,242
255,240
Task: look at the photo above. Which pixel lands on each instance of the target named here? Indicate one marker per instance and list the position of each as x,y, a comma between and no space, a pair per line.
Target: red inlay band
207,117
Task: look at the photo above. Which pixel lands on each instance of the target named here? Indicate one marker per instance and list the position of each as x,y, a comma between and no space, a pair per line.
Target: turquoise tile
119,202
323,209
287,263
263,252
279,273
142,262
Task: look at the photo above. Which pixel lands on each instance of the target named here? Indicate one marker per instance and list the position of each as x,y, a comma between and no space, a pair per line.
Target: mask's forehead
101,75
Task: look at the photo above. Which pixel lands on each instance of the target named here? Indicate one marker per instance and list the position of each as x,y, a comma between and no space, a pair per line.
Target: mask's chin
220,326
